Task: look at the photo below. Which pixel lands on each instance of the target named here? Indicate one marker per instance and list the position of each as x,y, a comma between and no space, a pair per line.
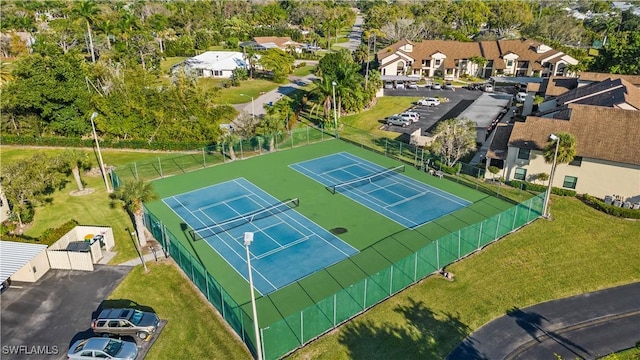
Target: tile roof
601,133
593,76
280,41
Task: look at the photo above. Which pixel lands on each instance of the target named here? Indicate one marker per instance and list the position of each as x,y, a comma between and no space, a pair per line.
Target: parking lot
459,100
41,320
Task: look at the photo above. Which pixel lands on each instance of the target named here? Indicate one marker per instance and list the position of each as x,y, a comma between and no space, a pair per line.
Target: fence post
204,158
364,299
438,253
301,328
334,309
515,216
385,147
480,235
497,227
241,152
458,244
308,140
160,164
415,268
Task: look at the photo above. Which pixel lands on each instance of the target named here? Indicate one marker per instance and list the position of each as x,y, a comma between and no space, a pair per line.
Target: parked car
398,120
436,86
521,96
448,86
126,322
388,85
399,85
102,348
410,115
429,101
488,87
412,85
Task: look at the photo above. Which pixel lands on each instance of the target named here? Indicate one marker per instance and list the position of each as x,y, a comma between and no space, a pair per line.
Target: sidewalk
147,258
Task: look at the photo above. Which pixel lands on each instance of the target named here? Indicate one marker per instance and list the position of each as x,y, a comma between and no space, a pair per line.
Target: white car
436,86
521,96
412,85
388,85
429,102
488,87
400,85
410,115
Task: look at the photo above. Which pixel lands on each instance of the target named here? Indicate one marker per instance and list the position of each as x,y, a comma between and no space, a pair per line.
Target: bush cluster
115,144
50,235
540,188
612,210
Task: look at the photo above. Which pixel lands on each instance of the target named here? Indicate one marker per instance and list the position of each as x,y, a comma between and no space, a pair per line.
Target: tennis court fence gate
297,329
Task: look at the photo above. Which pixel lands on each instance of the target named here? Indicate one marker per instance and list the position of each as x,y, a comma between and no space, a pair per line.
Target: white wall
34,269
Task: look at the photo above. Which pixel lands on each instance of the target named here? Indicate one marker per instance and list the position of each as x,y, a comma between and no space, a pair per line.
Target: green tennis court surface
390,256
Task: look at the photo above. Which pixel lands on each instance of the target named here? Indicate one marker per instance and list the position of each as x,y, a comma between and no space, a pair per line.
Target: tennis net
240,220
366,179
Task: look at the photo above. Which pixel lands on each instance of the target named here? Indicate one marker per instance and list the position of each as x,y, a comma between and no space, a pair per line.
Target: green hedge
50,235
598,204
540,188
114,144
451,170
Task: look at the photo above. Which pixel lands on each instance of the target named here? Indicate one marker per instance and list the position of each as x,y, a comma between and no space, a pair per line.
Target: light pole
253,109
248,239
95,136
335,109
545,209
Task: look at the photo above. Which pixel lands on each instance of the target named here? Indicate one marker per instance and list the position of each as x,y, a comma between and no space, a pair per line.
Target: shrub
612,210
49,236
540,188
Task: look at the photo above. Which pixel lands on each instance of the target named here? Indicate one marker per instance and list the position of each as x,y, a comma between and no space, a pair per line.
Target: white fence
60,257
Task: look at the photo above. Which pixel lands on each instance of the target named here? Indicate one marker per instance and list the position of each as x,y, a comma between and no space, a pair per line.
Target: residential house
269,42
218,64
607,160
453,59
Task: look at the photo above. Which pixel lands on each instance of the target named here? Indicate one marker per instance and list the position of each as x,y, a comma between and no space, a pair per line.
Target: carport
22,261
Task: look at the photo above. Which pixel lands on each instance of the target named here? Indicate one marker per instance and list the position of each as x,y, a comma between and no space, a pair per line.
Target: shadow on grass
422,338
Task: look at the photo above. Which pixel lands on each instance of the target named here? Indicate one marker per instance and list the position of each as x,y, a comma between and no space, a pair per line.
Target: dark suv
126,322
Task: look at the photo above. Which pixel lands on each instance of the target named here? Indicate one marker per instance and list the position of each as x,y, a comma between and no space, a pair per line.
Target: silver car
398,120
436,86
126,322
102,348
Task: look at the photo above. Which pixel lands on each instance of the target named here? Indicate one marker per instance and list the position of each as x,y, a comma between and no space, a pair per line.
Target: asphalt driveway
40,320
459,100
586,326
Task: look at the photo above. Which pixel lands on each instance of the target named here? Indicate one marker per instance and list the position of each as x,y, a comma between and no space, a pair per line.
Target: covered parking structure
22,261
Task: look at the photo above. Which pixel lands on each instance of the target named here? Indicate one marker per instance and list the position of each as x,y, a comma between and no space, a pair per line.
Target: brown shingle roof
498,147
558,85
593,76
601,133
280,41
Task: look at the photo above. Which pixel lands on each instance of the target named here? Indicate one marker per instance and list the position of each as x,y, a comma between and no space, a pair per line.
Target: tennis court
287,246
406,201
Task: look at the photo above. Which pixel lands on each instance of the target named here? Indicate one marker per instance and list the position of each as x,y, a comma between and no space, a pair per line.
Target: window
438,62
524,154
570,182
509,63
577,161
521,174
426,63
217,72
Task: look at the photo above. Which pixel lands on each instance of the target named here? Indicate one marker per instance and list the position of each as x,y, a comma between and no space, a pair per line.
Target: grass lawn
166,64
194,330
581,250
368,122
304,70
630,354
232,95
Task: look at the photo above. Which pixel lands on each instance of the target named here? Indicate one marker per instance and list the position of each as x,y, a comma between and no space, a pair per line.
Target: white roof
217,60
15,255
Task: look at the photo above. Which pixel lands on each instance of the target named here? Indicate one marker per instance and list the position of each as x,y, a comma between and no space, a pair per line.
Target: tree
453,139
620,54
566,149
71,161
542,177
278,62
87,10
324,95
27,182
480,62
133,193
5,73
271,126
509,15
468,15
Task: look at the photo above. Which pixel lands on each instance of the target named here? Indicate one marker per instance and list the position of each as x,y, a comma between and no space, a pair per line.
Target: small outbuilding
24,262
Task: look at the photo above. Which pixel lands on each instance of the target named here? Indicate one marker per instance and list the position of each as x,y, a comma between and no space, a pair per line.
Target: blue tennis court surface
287,246
400,198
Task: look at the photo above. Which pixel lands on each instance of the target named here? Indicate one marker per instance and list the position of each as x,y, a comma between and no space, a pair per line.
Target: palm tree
133,193
324,93
271,125
107,27
87,10
5,73
71,161
566,149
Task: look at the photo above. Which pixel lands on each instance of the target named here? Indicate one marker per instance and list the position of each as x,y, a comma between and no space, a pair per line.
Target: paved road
585,326
355,36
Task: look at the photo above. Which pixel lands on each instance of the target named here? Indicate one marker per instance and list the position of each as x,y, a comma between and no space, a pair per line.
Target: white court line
225,202
302,226
288,245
